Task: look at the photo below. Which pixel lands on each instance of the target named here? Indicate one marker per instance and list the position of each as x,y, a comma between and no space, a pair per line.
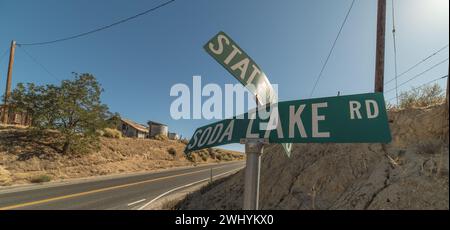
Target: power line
3,55
420,74
38,63
424,84
395,50
418,63
100,28
332,48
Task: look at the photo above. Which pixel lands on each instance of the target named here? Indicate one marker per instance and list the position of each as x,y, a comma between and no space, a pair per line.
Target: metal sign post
254,148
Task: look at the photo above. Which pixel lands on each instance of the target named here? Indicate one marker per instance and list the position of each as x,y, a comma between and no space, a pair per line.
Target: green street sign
360,118
234,59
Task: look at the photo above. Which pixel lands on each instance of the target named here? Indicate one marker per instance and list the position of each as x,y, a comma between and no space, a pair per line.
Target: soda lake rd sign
357,118
234,59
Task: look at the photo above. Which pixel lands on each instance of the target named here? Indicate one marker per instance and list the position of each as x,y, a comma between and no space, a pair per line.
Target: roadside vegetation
25,157
72,109
41,179
111,133
213,154
428,95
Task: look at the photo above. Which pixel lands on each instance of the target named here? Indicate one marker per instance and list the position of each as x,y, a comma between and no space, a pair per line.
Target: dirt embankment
409,173
23,158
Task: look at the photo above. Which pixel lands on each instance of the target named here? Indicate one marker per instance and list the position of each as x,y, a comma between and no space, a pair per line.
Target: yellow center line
98,190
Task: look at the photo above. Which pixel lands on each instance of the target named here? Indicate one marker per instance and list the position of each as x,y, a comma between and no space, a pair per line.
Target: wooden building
132,129
156,128
174,136
14,117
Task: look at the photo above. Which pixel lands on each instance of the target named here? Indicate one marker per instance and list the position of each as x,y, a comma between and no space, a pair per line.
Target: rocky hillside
409,173
25,158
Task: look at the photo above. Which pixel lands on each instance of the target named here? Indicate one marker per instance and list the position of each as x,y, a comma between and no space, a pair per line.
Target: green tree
74,109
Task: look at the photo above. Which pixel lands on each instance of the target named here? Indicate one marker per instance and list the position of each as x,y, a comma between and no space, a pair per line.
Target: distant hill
26,158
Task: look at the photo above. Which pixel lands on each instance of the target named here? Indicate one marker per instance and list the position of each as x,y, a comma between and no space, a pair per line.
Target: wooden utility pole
8,82
446,97
379,62
446,112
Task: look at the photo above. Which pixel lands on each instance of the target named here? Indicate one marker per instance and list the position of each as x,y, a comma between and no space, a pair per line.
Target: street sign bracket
252,140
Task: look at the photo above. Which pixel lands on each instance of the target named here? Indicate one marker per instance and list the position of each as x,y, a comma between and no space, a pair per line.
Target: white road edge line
133,203
184,186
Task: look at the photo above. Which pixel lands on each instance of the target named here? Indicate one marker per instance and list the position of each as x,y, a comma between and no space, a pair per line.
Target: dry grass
25,155
427,96
429,147
160,137
170,204
112,133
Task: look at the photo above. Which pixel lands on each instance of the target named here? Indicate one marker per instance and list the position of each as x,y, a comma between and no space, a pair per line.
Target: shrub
226,158
112,133
160,137
184,141
212,153
172,151
421,97
429,147
170,204
203,154
204,157
190,157
40,179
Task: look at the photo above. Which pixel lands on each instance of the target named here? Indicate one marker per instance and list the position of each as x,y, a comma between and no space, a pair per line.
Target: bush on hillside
40,179
184,141
190,157
421,97
212,153
172,151
112,133
160,137
429,147
226,157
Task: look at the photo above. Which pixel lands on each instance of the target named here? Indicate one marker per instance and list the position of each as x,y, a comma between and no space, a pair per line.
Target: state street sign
360,118
225,51
234,59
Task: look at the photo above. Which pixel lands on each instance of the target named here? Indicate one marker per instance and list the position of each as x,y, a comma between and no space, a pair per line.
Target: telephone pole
8,82
446,95
447,107
379,62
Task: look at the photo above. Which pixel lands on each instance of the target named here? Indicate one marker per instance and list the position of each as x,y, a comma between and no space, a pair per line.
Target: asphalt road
122,192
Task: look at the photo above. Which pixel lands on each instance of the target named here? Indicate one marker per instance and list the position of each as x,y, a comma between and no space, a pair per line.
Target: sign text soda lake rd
357,118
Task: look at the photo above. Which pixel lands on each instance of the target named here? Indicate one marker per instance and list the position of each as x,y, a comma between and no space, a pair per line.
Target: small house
174,136
132,129
14,117
155,129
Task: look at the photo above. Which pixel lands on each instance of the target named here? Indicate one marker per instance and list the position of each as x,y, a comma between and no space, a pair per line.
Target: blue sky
137,62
